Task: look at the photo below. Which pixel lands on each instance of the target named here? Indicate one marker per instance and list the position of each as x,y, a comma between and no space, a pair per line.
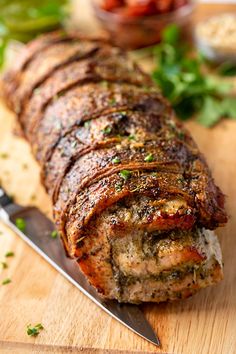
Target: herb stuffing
181,77
33,331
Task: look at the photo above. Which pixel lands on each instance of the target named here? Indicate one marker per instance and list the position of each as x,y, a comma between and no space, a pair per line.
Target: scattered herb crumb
6,281
33,197
104,84
54,234
33,331
125,174
181,135
106,130
4,265
116,160
74,144
25,166
87,123
112,101
131,137
149,158
118,186
4,155
10,254
21,224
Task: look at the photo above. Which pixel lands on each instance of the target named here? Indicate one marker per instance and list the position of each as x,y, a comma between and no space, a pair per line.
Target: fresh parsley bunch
182,80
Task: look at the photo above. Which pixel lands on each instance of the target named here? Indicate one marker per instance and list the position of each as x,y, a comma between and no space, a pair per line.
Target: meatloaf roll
134,200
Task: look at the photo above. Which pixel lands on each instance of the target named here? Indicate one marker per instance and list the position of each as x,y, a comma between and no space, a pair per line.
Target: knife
37,234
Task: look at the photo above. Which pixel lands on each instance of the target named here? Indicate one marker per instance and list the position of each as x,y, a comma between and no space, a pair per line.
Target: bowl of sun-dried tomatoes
135,24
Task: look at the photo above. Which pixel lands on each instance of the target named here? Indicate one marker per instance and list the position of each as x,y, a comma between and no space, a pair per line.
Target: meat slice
135,266
133,197
114,68
41,67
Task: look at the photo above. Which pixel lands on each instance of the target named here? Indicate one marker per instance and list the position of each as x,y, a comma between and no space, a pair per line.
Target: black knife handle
4,198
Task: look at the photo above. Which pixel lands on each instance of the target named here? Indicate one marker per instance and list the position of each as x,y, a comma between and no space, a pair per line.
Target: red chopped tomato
136,8
139,10
110,5
179,3
163,5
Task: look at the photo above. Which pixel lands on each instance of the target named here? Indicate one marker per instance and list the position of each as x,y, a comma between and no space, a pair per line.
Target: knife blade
37,234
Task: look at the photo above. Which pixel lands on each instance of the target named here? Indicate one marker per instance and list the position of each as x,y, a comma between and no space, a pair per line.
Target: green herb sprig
181,79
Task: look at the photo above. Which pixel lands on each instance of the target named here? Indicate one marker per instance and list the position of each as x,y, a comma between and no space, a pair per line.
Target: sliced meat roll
133,197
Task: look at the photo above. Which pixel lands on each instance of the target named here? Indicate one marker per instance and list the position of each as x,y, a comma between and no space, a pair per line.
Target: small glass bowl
138,32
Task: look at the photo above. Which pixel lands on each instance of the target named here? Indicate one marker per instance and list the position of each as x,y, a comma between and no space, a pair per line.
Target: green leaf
171,34
3,44
229,107
227,69
211,112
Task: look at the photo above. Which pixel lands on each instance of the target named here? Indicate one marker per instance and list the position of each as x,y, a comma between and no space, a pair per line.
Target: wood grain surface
204,324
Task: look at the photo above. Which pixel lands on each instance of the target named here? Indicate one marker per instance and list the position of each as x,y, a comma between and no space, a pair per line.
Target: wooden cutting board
204,324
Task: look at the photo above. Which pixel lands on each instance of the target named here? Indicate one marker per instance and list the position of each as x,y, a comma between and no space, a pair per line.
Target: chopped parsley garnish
87,123
4,155
112,101
33,331
104,84
149,158
33,197
10,254
125,174
181,135
118,186
4,265
6,281
21,224
116,160
74,144
25,166
154,174
131,137
106,130
54,234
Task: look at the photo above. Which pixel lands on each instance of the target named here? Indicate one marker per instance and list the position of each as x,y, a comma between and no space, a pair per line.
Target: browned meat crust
131,191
